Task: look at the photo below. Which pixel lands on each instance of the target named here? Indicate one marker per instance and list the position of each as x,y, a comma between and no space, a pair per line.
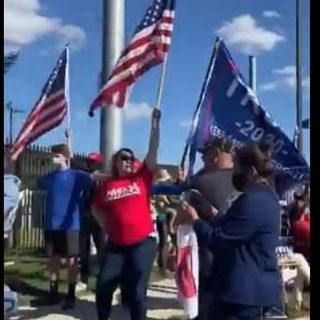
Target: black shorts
62,243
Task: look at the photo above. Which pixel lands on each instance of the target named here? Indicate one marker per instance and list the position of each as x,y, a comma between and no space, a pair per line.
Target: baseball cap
95,157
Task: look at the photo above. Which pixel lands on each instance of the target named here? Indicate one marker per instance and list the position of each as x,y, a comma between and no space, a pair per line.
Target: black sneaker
69,303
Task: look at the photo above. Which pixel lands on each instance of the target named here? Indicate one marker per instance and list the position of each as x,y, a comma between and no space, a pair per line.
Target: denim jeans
131,267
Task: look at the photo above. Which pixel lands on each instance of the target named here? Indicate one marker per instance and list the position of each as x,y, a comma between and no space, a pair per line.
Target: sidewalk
161,301
162,304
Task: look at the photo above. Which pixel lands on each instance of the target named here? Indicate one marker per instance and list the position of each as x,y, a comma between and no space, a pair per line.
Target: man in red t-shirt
122,204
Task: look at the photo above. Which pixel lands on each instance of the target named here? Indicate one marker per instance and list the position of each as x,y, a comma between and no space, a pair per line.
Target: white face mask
58,160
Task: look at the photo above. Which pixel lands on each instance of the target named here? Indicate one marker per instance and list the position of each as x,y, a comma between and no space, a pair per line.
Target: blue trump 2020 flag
228,107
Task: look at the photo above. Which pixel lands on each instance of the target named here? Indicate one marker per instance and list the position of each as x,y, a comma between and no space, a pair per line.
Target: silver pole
298,81
253,73
113,42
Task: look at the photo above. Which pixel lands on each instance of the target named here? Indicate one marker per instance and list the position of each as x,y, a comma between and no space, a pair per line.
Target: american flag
50,109
148,47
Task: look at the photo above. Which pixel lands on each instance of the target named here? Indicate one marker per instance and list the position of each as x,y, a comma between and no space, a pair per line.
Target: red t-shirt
301,234
126,203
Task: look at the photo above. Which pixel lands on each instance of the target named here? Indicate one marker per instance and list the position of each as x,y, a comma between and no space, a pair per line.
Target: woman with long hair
245,270
123,203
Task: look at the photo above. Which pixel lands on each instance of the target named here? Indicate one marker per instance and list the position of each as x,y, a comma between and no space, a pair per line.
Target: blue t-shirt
63,190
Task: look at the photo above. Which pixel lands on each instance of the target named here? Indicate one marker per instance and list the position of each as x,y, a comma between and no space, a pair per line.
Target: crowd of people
230,203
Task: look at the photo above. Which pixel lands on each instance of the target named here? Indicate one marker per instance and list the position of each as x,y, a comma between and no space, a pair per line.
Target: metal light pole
113,42
298,81
12,111
253,73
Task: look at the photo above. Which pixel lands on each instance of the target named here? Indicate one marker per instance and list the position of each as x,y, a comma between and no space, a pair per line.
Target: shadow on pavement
85,310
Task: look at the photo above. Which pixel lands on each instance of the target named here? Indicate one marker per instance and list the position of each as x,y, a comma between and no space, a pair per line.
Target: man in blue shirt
63,189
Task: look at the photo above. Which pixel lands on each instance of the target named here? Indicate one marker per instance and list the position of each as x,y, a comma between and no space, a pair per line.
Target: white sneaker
81,286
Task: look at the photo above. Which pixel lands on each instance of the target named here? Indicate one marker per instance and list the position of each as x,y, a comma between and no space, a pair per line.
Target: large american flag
50,109
148,47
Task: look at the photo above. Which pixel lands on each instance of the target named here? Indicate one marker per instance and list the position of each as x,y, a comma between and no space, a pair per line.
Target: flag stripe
51,101
42,118
49,126
41,130
127,82
137,59
42,126
48,112
145,36
147,48
144,43
127,78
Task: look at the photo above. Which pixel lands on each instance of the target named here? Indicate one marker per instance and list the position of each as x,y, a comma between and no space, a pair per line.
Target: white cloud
269,86
185,123
306,86
24,24
271,14
243,33
136,111
74,35
286,79
287,70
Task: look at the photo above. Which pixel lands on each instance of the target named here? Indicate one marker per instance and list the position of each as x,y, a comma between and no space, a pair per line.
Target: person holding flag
244,240
123,201
123,205
148,47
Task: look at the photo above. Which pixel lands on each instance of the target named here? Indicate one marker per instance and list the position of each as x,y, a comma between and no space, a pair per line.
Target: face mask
58,160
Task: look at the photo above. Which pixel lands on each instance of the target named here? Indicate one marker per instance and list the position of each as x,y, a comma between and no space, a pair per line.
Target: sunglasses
125,157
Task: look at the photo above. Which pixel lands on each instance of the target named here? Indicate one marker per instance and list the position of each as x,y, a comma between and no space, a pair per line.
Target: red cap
95,157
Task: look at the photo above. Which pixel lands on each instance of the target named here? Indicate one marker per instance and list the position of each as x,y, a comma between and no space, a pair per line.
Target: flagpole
298,81
67,94
161,82
203,90
112,46
253,73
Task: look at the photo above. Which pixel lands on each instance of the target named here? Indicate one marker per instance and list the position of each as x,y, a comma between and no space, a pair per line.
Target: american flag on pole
148,47
50,109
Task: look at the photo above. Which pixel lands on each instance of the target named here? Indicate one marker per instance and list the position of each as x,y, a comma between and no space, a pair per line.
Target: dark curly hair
254,158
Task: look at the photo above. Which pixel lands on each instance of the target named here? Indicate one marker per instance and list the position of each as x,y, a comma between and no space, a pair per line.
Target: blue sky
263,27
